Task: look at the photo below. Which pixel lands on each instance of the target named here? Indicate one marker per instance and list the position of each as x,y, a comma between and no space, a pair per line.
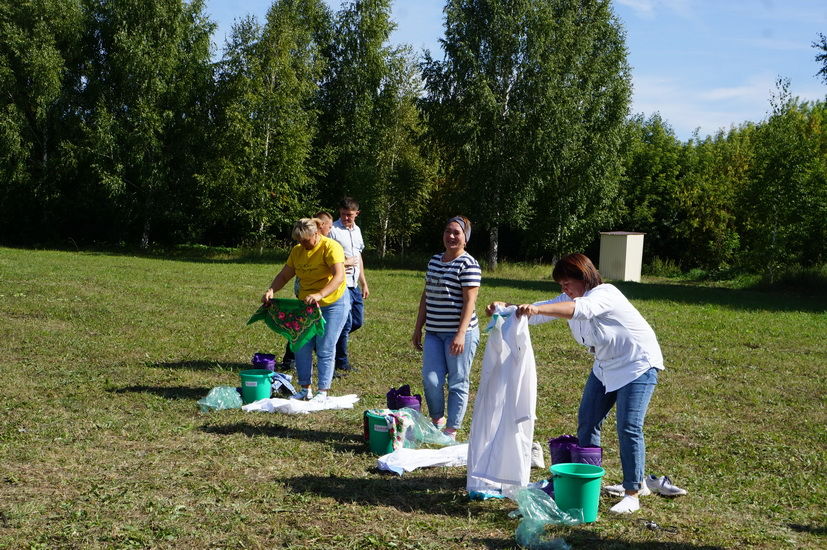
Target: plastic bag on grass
538,510
222,397
423,431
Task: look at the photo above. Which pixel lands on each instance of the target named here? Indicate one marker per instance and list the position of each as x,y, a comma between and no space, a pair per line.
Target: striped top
443,291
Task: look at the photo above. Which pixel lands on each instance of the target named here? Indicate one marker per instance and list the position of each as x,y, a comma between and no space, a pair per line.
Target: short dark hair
348,203
579,267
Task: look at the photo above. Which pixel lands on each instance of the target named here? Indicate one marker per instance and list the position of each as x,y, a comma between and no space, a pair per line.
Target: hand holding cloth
293,319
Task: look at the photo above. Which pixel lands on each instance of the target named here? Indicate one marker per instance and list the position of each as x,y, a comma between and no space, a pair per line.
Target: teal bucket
577,487
256,384
377,435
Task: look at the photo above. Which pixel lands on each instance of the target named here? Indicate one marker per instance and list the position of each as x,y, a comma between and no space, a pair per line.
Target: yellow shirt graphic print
314,268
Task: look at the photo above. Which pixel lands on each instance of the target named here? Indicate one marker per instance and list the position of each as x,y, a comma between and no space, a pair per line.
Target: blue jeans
324,344
355,320
438,364
632,401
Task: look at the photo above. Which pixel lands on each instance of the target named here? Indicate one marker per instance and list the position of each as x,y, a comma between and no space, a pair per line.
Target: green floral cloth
293,319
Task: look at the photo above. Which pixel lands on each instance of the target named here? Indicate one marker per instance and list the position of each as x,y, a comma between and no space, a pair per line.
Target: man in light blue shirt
347,233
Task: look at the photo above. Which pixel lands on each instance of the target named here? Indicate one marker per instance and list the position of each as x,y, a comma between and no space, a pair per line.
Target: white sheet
407,460
297,406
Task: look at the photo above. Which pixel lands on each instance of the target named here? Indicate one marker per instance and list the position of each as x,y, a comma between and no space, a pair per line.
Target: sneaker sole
614,493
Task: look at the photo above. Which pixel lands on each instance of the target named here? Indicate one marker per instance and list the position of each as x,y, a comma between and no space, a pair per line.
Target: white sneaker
627,505
537,458
619,491
304,395
320,397
663,486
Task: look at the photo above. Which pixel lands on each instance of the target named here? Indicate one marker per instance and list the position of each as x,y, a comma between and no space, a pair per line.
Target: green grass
104,357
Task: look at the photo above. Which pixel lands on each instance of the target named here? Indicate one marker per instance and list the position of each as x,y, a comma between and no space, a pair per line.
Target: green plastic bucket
577,487
376,433
256,384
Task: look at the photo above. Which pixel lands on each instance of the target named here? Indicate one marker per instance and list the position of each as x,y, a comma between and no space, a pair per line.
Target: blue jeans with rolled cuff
631,401
334,315
440,366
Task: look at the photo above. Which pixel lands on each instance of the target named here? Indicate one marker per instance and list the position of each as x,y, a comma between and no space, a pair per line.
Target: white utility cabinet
621,255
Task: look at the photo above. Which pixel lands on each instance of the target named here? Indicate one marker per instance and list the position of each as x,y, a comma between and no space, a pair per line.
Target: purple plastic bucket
265,361
587,455
398,399
410,401
560,448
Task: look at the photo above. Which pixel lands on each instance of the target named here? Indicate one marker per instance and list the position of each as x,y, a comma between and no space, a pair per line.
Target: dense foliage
118,124
529,102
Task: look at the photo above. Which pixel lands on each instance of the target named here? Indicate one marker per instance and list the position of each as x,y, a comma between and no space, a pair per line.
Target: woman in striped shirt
447,311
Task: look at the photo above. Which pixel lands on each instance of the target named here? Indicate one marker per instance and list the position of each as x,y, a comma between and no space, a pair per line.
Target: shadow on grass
432,494
811,529
340,441
200,364
747,300
584,538
167,392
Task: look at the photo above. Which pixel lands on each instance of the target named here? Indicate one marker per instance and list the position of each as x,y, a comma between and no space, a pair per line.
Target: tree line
117,125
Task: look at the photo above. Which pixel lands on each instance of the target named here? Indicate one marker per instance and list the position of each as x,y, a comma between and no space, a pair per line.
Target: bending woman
447,311
318,263
627,359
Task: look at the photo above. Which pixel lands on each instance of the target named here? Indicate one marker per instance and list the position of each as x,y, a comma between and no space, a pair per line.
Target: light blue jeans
632,402
438,365
335,316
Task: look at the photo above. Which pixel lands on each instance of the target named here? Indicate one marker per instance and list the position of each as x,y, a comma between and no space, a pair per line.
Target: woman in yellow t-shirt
318,263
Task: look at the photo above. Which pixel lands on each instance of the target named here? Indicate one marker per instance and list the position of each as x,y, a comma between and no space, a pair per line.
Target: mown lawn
104,357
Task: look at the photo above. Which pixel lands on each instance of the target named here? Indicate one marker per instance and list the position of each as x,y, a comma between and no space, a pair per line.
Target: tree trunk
145,233
384,241
493,247
149,204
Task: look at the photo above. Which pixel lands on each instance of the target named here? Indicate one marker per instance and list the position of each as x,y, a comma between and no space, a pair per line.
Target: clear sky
704,64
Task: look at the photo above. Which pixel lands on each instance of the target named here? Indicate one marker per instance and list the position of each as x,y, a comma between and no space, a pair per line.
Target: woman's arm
338,277
416,339
278,283
564,310
541,309
363,282
469,303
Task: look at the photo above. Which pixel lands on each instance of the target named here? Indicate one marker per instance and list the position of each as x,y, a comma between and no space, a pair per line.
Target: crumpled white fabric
406,460
297,406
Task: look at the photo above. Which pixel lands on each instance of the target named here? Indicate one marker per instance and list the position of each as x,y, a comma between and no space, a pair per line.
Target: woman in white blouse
627,359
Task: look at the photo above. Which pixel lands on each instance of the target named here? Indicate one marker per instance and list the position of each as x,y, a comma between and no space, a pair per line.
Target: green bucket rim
253,373
565,469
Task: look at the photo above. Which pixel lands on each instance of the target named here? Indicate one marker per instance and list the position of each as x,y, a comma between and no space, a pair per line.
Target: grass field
104,357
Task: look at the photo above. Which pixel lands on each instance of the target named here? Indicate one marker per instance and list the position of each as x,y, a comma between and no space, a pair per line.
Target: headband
463,225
